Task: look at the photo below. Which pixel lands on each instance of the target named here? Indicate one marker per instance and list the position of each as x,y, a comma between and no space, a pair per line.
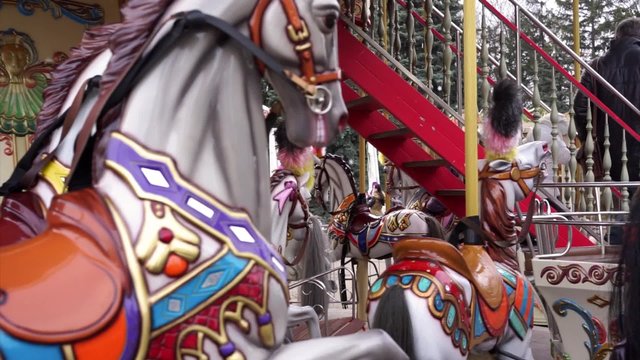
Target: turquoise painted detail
392,280
376,285
437,301
451,316
525,300
509,276
478,325
424,284
456,335
463,343
516,324
12,348
406,280
197,290
510,290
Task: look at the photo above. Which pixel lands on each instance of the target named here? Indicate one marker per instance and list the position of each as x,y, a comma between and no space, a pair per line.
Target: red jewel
165,235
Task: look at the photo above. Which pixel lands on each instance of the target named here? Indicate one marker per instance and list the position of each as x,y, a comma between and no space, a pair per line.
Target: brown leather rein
298,34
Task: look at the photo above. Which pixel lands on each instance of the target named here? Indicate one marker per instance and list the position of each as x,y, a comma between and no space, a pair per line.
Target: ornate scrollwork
597,334
576,274
85,14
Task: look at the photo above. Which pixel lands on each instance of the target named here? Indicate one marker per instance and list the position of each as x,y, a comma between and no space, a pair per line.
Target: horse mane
499,223
435,227
347,169
93,42
624,319
140,20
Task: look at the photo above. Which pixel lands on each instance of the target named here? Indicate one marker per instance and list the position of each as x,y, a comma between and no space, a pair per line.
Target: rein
302,225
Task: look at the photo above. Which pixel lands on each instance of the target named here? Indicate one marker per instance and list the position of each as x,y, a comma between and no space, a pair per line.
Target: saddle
472,262
21,217
362,217
68,282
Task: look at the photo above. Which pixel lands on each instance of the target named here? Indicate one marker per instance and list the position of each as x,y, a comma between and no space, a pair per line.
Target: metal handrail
536,220
575,56
492,59
556,65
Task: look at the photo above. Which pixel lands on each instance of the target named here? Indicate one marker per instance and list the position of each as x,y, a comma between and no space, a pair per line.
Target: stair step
365,103
450,192
425,163
400,132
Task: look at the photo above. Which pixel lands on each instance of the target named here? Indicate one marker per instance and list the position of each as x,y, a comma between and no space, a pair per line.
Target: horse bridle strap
298,34
514,174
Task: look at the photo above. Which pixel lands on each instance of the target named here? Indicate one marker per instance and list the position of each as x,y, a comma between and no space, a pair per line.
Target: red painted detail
165,235
495,320
400,150
561,69
164,345
176,266
602,330
579,239
21,217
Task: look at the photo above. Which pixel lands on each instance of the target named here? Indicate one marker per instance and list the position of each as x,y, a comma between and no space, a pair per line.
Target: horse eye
330,21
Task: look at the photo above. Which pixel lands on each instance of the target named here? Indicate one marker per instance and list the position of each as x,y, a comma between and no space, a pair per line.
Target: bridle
514,174
319,98
518,176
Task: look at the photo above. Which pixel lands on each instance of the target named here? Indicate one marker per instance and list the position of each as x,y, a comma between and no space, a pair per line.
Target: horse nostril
330,21
342,124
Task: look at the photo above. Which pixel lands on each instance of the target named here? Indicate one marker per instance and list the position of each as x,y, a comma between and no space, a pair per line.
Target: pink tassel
497,143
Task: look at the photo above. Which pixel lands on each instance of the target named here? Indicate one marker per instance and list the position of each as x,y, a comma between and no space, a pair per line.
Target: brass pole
470,108
576,37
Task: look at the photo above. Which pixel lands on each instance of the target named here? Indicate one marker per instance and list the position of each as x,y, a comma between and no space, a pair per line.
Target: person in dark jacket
620,66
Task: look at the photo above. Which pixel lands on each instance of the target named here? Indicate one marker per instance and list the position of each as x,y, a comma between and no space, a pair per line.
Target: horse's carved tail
392,316
315,262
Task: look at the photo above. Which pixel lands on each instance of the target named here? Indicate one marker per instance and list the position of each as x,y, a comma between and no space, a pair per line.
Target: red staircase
420,120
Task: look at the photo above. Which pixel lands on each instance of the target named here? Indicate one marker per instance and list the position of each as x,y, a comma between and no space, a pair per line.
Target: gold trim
137,276
55,174
67,352
126,175
206,303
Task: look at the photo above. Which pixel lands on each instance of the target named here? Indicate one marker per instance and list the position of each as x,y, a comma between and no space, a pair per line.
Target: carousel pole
362,271
470,108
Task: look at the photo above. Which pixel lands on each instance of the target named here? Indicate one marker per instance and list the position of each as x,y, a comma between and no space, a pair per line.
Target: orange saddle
472,262
68,282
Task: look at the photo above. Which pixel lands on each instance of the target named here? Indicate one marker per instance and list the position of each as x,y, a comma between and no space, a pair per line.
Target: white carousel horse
298,236
439,302
161,254
22,215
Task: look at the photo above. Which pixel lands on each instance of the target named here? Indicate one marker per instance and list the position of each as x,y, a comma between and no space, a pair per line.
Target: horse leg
315,293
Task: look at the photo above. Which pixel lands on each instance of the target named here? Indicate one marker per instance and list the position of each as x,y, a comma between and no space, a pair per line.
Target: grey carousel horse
166,240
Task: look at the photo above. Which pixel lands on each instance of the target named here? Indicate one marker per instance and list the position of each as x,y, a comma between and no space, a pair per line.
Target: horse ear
500,165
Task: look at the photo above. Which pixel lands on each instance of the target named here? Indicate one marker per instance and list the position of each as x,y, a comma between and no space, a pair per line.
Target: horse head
308,49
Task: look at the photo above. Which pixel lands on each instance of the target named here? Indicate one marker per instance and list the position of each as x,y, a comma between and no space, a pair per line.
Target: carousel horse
34,182
296,233
405,192
441,302
158,252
